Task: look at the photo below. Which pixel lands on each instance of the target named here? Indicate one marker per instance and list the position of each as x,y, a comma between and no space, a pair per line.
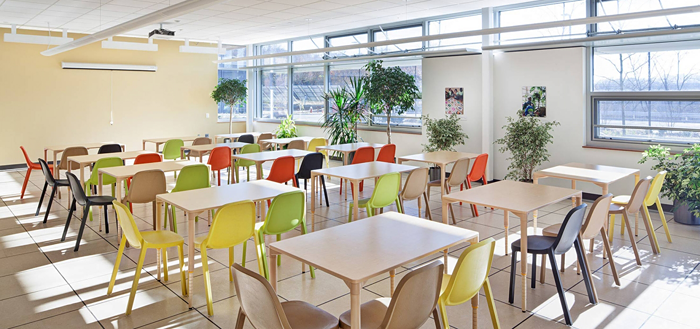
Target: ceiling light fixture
109,44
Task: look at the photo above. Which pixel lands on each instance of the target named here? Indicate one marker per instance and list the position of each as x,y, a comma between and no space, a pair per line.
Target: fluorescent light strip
109,44
108,67
36,39
202,50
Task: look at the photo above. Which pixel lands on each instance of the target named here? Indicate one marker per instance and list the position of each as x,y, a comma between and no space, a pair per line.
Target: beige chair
199,141
414,300
70,152
261,306
297,144
458,176
414,188
264,146
144,187
634,207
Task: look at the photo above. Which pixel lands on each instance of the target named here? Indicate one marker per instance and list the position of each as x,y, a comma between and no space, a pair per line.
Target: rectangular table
60,148
236,136
441,159
346,149
261,157
279,142
361,250
159,141
86,160
194,202
355,174
517,197
202,149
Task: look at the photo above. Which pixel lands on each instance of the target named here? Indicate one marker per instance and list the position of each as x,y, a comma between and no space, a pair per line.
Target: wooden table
517,197
208,147
159,141
194,202
261,157
60,148
236,136
86,160
284,141
441,159
359,251
355,174
346,149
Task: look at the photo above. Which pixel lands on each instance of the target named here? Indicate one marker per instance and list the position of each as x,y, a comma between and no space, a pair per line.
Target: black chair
86,202
248,138
312,161
109,148
50,181
567,237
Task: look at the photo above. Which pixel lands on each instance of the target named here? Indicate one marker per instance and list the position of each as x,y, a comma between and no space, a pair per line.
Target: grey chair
86,202
50,181
248,138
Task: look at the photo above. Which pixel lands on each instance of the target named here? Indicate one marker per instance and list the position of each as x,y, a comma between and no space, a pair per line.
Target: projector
161,32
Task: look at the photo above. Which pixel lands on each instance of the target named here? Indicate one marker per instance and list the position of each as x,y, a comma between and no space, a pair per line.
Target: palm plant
347,110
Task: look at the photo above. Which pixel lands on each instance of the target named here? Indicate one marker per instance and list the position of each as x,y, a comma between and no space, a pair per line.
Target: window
407,32
307,94
274,48
307,44
275,94
348,40
453,25
232,70
614,7
552,12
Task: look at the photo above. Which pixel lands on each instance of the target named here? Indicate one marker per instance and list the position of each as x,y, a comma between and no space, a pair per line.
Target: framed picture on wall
534,101
454,100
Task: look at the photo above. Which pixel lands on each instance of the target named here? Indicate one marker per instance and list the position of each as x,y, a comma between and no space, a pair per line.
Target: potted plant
526,139
287,128
682,184
232,92
389,90
443,135
347,110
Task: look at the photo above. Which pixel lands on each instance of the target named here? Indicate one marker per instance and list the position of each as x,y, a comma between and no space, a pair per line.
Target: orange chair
362,155
387,153
30,166
220,158
478,173
141,159
282,171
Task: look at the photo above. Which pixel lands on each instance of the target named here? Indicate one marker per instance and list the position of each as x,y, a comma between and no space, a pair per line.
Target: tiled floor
43,283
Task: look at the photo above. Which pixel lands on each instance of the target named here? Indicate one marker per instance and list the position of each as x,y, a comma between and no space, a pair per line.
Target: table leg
182,153
190,257
523,258
356,200
443,167
535,180
392,275
99,192
345,181
144,146
573,199
258,170
475,311
506,224
82,175
636,216
355,289
313,201
118,196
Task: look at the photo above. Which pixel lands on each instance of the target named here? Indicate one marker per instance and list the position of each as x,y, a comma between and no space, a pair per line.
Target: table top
128,171
363,170
214,197
439,157
363,249
88,146
271,155
283,141
350,147
238,135
587,172
83,159
209,147
517,197
163,140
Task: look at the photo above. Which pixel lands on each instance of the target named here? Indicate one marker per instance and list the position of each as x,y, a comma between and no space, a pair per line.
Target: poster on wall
535,101
454,101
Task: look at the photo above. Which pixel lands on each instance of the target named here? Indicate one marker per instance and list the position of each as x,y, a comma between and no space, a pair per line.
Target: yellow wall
43,105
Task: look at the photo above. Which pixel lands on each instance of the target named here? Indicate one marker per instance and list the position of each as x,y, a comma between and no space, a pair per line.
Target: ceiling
234,21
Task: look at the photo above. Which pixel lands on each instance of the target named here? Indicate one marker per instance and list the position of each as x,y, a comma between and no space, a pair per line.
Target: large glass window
453,25
275,94
307,44
274,48
614,7
546,13
232,70
407,32
307,94
348,40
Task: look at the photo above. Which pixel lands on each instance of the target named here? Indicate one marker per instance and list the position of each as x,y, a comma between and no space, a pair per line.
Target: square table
194,202
86,160
355,174
261,157
346,149
159,141
441,159
284,141
517,197
60,148
235,136
361,250
203,149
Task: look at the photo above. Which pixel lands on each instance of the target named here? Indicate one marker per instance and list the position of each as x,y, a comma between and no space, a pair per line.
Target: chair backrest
315,143
597,216
104,163
258,300
469,274
148,158
297,144
26,156
656,184
77,189
172,149
311,161
248,138
570,229
282,169
286,212
47,172
128,225
479,167
459,172
387,153
415,184
363,154
201,141
109,148
69,152
146,185
638,196
386,190
250,148
192,177
220,158
415,298
233,224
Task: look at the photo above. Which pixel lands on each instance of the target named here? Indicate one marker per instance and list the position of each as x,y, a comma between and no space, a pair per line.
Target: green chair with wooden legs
172,150
192,177
159,240
287,211
386,192
234,224
106,179
250,148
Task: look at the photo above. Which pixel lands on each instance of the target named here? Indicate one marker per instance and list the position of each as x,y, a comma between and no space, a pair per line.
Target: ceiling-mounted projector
161,32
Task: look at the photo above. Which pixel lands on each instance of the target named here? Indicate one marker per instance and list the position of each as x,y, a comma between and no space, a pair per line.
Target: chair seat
371,314
62,182
621,199
198,240
302,315
551,230
616,209
536,244
360,203
162,238
434,183
101,200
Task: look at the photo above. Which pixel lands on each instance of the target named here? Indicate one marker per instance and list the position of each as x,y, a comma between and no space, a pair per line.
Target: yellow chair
233,224
318,142
470,274
160,240
651,198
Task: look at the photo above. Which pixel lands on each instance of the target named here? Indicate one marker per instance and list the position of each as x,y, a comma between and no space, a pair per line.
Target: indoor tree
347,110
232,92
389,90
443,134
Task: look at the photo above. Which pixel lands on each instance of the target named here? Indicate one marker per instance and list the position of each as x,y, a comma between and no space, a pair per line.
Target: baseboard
17,166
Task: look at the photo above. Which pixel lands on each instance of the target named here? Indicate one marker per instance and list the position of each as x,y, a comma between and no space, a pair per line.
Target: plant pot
683,215
434,173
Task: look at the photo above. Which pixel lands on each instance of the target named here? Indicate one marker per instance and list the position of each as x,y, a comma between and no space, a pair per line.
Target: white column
487,128
251,104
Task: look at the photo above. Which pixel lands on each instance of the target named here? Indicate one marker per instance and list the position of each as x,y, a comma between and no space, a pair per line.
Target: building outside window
452,25
557,11
275,94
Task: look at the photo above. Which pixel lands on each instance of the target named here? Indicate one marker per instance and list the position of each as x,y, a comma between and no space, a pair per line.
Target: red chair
282,171
220,158
387,153
478,173
362,155
141,159
30,166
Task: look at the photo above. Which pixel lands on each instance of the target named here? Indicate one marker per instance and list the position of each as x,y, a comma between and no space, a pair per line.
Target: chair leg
48,207
427,206
651,234
207,281
106,221
164,257
137,275
533,278
325,192
663,219
183,277
560,289
543,268
240,322
70,214
82,227
634,243
439,320
304,231
260,250
563,263
606,244
41,199
611,227
452,212
581,254
492,303
116,266
26,181
245,252
231,260
511,290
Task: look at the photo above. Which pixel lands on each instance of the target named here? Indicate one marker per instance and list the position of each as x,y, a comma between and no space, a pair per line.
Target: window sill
638,151
234,120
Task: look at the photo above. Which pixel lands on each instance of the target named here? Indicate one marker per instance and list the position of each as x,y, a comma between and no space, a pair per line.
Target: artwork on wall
535,101
454,100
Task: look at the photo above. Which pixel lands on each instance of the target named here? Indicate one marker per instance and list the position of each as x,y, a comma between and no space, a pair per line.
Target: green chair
250,148
191,178
287,212
172,150
386,192
106,179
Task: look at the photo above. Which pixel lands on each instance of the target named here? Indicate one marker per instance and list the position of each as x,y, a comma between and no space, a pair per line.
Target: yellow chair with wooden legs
318,142
233,224
159,240
470,274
